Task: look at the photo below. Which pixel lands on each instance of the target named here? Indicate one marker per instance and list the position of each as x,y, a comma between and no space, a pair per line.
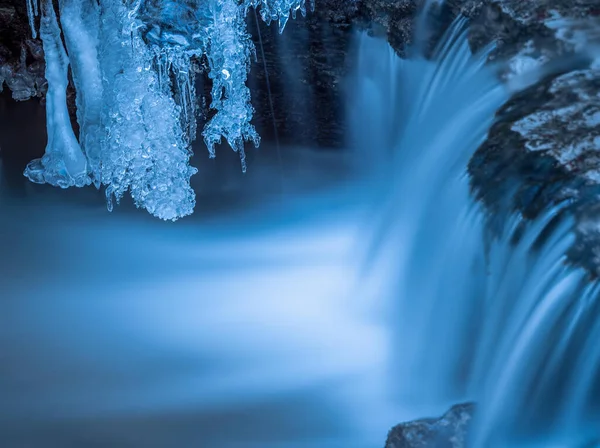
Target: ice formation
228,53
131,65
79,20
279,10
63,164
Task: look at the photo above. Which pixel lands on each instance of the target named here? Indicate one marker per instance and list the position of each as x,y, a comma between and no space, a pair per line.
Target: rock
448,431
21,57
544,148
393,19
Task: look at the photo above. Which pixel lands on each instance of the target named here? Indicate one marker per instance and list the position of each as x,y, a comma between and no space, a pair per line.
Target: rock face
448,431
21,57
544,150
544,147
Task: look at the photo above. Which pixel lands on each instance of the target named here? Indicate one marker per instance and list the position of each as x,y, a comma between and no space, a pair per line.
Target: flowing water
364,299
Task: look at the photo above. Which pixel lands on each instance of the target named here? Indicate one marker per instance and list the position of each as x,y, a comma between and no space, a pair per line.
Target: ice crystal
131,64
228,55
144,149
279,10
63,164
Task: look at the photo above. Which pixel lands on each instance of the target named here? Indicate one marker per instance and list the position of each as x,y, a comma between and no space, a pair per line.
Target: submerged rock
448,431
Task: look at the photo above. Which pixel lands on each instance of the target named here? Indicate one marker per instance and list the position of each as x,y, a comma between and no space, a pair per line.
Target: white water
427,233
502,323
320,323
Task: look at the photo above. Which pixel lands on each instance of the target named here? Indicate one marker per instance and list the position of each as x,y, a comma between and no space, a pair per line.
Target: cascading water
472,312
288,329
427,235
532,357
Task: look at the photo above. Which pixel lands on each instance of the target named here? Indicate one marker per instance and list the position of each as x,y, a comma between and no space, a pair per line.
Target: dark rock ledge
448,431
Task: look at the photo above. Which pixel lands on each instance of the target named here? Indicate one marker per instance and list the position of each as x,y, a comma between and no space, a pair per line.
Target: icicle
80,20
283,19
63,164
280,10
32,13
187,94
228,55
174,64
136,101
144,150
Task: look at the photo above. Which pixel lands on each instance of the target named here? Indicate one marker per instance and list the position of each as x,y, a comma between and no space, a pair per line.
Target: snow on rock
532,36
568,125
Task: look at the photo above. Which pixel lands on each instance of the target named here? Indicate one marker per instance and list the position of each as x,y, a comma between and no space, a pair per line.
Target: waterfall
319,322
426,244
498,317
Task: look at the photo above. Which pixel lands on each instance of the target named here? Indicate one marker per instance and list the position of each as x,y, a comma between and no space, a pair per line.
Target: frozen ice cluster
131,65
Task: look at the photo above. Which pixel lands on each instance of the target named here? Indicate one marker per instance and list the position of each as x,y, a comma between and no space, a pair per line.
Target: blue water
365,293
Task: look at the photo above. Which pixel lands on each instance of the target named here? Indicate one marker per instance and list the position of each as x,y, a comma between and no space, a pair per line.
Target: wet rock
21,57
448,431
545,146
567,125
393,19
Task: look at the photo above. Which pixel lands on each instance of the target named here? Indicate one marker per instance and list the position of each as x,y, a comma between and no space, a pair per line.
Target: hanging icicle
131,65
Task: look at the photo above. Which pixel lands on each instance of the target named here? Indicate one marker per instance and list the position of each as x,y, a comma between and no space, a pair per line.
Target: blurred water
486,314
364,293
237,328
425,247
